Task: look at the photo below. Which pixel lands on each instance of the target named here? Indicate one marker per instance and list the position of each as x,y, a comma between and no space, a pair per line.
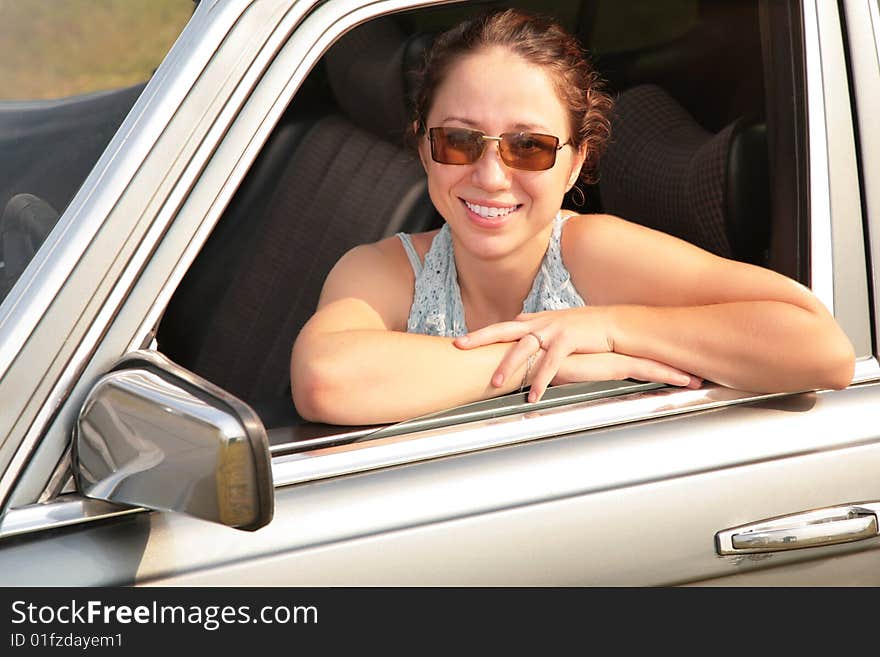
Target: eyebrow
530,127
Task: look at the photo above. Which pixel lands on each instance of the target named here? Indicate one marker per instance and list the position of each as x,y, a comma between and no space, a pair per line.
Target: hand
557,332
612,367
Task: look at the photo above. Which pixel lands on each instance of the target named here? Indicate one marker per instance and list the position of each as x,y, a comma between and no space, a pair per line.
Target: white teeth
488,213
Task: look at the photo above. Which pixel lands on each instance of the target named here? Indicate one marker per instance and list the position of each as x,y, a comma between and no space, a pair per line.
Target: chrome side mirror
155,435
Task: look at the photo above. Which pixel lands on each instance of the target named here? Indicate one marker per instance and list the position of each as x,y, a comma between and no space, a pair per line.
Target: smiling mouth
487,212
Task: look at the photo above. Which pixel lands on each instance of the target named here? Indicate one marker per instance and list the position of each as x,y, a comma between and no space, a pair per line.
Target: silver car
147,432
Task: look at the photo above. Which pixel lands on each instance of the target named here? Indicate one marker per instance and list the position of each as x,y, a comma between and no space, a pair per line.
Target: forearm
368,376
763,346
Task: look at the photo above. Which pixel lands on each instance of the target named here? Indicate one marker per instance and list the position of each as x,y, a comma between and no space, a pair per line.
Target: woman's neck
494,290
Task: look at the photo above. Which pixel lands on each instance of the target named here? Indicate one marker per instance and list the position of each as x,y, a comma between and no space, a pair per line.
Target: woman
513,291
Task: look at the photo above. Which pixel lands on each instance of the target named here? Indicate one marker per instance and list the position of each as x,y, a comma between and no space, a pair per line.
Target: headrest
663,170
24,224
369,70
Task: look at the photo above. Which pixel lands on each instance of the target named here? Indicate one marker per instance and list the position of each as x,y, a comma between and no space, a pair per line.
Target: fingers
500,332
612,367
515,358
564,357
695,383
546,370
645,369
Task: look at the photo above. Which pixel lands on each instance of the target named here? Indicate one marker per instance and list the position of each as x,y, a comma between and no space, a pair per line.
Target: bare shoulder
612,260
609,238
387,257
366,265
584,230
593,240
378,274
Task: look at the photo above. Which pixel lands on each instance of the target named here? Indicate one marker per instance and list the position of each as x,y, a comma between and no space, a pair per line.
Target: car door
616,483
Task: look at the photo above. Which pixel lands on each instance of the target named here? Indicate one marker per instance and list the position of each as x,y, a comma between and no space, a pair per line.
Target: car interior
48,149
703,146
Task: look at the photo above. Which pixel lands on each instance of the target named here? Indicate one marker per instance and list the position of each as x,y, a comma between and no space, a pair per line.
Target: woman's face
496,91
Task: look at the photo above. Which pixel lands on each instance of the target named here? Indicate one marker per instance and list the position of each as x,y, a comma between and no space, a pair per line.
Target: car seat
665,171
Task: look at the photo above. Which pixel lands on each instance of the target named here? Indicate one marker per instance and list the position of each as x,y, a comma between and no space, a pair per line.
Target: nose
490,172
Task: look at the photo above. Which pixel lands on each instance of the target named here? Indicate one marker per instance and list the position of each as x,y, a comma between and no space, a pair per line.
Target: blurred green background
55,48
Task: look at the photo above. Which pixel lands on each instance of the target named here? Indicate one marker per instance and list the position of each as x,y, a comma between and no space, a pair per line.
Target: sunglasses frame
499,139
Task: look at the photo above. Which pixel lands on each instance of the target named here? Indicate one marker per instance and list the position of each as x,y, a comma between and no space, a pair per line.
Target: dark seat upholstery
333,182
663,170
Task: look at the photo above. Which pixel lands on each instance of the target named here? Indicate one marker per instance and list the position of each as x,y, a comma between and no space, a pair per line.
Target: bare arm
654,296
733,323
353,362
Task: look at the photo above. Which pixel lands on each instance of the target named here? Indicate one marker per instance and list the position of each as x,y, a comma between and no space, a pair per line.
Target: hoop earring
578,197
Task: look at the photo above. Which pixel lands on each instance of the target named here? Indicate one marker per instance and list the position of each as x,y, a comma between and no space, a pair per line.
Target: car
147,432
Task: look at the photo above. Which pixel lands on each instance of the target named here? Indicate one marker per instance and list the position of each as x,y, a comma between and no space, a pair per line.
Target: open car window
257,279
255,283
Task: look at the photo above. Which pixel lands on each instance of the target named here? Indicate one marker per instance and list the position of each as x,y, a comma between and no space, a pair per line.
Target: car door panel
583,508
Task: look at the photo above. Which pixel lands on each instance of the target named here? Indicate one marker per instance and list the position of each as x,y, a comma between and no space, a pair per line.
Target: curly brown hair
539,40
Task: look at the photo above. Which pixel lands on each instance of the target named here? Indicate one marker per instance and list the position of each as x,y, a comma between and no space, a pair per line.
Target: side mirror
155,435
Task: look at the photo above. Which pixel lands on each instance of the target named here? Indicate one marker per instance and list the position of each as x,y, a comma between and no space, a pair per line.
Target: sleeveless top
437,308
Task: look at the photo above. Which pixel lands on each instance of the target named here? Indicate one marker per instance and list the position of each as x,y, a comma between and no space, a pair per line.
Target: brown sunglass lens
529,151
456,146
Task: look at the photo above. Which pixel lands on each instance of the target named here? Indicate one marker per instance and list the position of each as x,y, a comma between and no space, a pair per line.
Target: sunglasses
529,151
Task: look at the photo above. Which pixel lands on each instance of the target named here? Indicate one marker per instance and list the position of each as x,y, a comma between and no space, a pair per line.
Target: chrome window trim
872,166
529,425
848,240
874,8
64,511
838,262
344,435
866,370
863,33
821,255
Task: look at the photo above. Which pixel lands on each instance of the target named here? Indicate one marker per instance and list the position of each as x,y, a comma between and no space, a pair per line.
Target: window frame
336,453
862,40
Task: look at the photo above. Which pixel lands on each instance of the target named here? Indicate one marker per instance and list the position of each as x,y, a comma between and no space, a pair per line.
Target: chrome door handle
829,526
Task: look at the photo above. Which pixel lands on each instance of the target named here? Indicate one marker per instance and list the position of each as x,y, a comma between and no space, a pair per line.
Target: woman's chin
492,238
487,244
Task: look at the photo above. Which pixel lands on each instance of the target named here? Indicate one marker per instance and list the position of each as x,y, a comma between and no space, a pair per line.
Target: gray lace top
437,308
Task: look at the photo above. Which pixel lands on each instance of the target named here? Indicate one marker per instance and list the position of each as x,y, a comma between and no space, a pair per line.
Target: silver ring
539,339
